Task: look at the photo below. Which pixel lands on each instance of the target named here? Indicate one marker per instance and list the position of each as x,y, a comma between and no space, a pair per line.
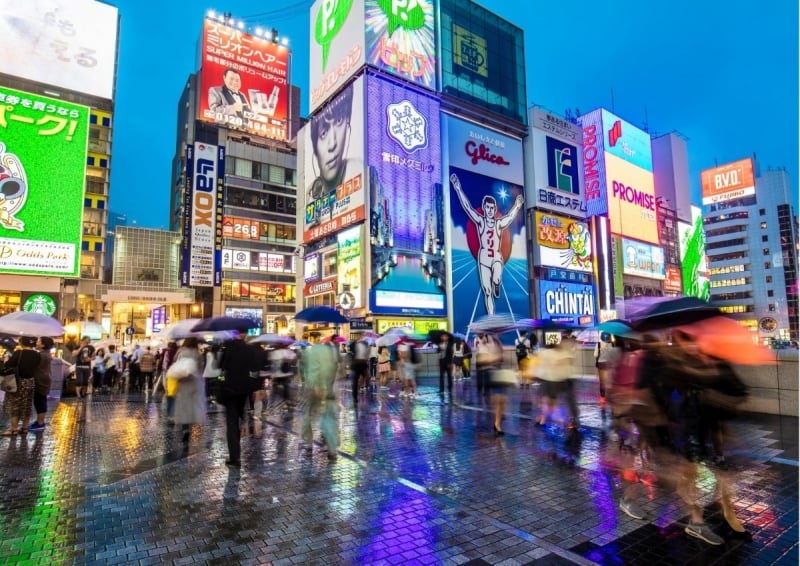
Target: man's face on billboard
233,81
330,146
489,209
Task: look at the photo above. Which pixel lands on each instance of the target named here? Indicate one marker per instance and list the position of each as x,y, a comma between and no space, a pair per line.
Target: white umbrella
23,323
494,323
182,329
588,335
389,339
272,338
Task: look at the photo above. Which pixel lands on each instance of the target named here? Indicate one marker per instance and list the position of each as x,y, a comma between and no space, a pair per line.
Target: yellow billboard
631,200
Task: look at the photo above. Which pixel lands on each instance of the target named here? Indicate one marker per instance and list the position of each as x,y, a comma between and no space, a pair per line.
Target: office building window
771,307
770,293
766,251
769,278
765,238
767,265
763,225
243,168
762,211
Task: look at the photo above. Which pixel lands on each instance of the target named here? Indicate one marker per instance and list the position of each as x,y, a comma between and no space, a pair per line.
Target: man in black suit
238,360
227,99
445,349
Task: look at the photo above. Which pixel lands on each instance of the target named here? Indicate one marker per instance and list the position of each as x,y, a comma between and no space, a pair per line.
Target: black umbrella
675,312
8,342
321,314
218,323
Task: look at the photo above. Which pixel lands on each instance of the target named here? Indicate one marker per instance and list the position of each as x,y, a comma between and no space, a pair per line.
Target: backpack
522,350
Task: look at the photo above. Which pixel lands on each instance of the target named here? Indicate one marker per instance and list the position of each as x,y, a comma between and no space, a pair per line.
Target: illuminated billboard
672,282
489,258
694,268
348,268
401,39
244,82
201,259
336,47
563,242
43,156
631,200
626,141
728,182
254,314
566,304
594,164
555,149
406,224
642,259
69,44
311,267
333,164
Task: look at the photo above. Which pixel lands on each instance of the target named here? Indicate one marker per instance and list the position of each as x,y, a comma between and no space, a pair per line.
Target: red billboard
244,82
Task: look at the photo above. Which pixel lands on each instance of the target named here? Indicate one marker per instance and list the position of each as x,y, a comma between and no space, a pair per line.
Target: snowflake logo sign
407,126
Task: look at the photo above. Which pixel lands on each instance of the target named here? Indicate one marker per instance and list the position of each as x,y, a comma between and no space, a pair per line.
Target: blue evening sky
723,73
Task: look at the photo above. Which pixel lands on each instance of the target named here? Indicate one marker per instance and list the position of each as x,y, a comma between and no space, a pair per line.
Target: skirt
19,404
384,367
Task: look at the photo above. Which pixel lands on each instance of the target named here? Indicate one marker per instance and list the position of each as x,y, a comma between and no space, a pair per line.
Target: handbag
181,369
9,383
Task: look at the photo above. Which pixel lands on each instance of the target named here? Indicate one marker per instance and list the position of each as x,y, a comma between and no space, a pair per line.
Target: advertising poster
43,157
333,161
336,48
673,283
311,267
694,268
563,242
567,304
490,267
406,224
643,260
627,142
401,39
728,182
594,164
201,260
631,200
348,259
244,82
69,44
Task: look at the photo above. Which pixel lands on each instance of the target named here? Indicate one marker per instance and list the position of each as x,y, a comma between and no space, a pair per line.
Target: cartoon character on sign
13,189
579,253
493,241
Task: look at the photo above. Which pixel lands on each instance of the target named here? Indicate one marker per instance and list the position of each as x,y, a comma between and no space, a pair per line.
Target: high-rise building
234,176
67,92
751,235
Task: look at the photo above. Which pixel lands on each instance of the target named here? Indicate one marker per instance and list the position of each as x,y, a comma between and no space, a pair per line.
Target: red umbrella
726,339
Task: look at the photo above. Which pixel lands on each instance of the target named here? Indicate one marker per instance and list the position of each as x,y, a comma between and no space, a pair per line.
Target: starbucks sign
40,303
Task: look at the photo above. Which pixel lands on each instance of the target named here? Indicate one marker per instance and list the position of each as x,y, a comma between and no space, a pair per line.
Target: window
243,168
289,177
98,246
770,293
769,278
276,174
767,265
766,251
763,225
762,211
85,246
106,122
93,118
765,238
771,307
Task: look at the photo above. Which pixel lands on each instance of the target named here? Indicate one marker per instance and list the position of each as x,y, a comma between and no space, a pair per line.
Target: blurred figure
83,355
24,361
360,367
170,384
113,367
384,365
147,367
99,370
190,393
212,371
406,367
606,356
282,362
41,382
500,380
458,359
484,363
445,350
555,370
320,364
237,361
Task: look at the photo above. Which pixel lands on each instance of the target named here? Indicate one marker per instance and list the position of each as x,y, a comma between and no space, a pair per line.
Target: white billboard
70,44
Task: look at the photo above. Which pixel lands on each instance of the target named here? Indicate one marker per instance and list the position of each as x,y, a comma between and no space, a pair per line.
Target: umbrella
272,338
675,312
436,334
8,342
459,336
616,326
726,339
180,329
390,339
337,339
23,323
320,314
399,331
588,335
300,344
216,323
494,323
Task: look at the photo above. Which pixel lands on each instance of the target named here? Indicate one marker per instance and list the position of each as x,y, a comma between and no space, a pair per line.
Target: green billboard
42,174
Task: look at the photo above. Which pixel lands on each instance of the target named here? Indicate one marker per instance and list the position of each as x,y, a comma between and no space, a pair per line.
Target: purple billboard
406,220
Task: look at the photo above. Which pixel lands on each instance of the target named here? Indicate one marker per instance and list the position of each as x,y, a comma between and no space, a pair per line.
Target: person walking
134,369
83,355
41,382
237,361
190,393
282,361
407,368
320,364
212,371
445,351
113,367
24,361
147,367
360,367
555,369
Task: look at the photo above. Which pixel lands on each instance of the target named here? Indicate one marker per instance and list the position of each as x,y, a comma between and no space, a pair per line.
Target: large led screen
244,82
631,200
201,260
348,267
43,157
566,304
563,242
728,182
406,224
626,141
489,259
336,48
69,44
642,259
692,242
333,164
254,314
401,39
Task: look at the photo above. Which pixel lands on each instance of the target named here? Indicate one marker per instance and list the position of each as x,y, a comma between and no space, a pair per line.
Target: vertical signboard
555,149
202,226
42,174
407,209
244,82
694,268
348,268
594,167
489,257
333,162
401,39
728,182
337,47
563,242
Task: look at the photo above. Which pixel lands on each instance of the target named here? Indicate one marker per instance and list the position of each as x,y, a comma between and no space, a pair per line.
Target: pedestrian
555,370
384,365
500,381
113,367
407,367
483,365
359,366
237,361
320,364
212,372
83,355
458,359
282,362
147,367
445,354
98,370
41,382
190,393
134,371
19,404
606,354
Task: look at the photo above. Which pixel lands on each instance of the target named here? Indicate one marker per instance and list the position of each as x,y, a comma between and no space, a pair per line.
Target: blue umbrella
616,326
217,323
320,314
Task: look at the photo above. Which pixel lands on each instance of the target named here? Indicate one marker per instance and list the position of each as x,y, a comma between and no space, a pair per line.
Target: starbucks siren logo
41,304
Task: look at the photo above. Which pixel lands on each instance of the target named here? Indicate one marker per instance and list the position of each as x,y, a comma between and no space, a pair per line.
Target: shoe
704,533
498,432
233,463
36,427
631,510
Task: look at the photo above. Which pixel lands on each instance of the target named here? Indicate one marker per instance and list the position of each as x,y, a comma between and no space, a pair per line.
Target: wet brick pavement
416,482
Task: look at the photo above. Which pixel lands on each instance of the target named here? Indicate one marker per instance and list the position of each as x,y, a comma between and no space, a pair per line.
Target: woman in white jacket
190,396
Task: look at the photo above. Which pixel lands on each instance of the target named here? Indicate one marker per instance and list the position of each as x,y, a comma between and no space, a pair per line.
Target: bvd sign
202,227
